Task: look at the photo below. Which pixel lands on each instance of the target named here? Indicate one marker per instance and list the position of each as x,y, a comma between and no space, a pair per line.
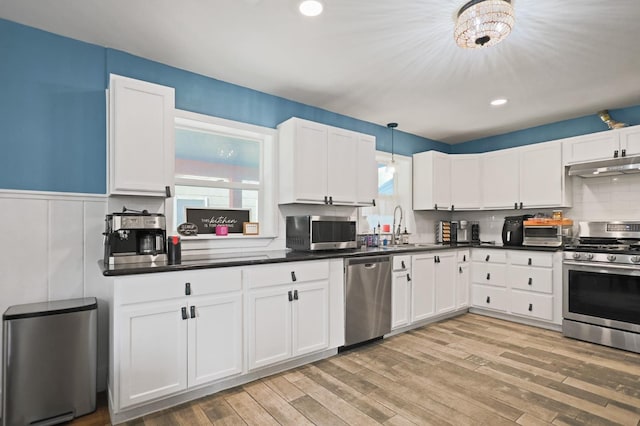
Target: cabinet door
141,137
463,279
630,141
400,296
431,181
152,351
268,326
597,146
342,173
310,162
310,318
367,170
541,175
215,338
500,179
445,282
465,182
422,287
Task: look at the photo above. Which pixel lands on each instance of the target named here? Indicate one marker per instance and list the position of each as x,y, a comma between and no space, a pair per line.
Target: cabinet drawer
169,285
491,274
489,256
285,273
527,258
401,263
489,297
534,279
532,305
463,256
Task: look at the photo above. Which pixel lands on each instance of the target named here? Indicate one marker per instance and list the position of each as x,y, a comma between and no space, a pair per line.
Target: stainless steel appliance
466,232
601,285
367,298
513,230
135,237
547,233
49,362
310,233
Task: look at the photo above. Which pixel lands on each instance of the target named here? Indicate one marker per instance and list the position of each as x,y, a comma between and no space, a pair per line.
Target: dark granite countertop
279,256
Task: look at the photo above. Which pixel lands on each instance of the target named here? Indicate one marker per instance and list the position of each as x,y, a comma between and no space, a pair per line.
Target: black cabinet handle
326,199
295,294
530,307
435,259
290,296
488,299
520,205
192,309
408,278
515,205
453,207
187,289
464,257
293,276
373,202
624,152
530,281
529,263
331,200
436,206
460,269
486,259
184,313
488,275
438,259
167,191
615,154
403,265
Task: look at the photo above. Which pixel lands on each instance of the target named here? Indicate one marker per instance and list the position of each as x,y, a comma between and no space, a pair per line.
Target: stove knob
635,259
576,256
611,257
589,256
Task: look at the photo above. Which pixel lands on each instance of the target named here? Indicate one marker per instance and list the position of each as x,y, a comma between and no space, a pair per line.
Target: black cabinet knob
193,311
326,199
187,289
530,281
453,207
486,259
373,202
460,269
521,205
624,152
184,313
515,205
529,262
293,276
331,200
290,296
403,265
488,299
295,294
615,154
408,277
530,307
488,275
167,191
435,206
464,257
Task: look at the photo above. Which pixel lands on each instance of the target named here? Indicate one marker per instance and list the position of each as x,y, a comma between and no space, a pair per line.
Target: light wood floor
470,370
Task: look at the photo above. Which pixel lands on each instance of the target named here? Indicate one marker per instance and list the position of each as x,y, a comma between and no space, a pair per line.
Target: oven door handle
602,265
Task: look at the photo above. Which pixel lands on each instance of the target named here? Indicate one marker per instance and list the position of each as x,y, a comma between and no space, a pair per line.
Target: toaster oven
547,234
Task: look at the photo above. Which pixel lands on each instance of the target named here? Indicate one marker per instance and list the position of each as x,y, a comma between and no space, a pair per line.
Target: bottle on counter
174,250
405,236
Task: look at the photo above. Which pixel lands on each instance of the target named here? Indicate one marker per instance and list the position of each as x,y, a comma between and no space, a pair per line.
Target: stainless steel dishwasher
367,298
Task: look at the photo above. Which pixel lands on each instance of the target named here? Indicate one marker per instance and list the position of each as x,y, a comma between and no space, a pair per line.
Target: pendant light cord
392,126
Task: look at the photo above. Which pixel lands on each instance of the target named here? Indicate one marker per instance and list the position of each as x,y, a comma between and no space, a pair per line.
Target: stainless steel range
601,285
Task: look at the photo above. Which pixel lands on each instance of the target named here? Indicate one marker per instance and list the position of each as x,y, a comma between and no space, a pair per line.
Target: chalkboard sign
207,219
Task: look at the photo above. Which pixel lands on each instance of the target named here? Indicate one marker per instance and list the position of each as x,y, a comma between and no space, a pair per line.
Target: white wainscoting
50,248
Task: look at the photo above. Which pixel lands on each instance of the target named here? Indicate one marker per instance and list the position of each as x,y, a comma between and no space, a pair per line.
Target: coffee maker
135,237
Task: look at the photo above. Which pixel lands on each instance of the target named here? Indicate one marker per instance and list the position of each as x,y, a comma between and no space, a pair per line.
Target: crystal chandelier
483,23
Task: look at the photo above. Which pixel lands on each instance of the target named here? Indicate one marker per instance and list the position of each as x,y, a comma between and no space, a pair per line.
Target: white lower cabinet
445,282
463,279
285,321
174,331
422,286
401,291
522,283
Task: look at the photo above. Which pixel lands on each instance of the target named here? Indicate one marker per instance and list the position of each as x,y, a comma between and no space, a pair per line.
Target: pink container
222,230
386,228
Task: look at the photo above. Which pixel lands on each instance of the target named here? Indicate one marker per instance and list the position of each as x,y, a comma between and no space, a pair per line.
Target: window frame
267,205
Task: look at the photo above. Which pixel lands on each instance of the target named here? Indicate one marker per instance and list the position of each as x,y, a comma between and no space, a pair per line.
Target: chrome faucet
396,233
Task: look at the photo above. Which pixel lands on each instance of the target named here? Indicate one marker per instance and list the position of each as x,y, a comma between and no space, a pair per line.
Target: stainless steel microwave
311,233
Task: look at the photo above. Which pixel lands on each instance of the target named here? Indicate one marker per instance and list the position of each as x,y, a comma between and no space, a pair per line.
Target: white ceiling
380,61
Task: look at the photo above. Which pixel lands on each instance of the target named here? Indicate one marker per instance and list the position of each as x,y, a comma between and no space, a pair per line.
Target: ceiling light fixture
483,23
498,102
311,7
391,168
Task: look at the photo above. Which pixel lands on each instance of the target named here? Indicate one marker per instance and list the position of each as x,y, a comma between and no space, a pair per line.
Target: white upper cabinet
602,146
542,175
500,179
431,181
321,164
141,137
466,186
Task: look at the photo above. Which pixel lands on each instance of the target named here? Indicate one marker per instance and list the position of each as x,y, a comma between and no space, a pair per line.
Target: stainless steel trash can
49,357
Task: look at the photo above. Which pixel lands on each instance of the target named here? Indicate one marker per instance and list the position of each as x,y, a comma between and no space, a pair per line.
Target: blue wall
548,132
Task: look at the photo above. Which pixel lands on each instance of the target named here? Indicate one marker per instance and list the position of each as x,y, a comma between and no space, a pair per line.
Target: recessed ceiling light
498,102
310,7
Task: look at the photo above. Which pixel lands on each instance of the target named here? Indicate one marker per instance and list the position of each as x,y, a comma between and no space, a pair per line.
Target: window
221,163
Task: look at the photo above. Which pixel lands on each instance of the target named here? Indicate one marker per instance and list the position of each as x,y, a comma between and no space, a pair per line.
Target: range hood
614,166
